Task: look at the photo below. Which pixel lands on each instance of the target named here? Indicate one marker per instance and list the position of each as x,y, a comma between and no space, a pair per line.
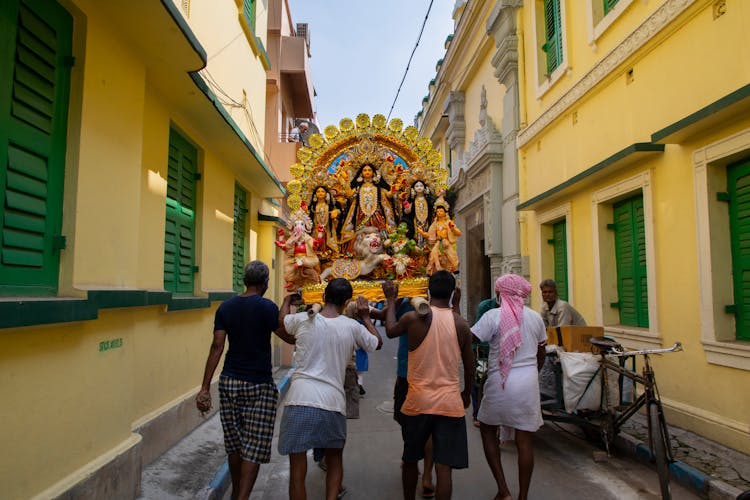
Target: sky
359,51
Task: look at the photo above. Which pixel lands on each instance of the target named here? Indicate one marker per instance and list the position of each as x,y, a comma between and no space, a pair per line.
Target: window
720,174
738,186
37,41
249,10
550,62
179,238
625,272
554,247
630,254
553,35
601,14
609,5
560,253
238,248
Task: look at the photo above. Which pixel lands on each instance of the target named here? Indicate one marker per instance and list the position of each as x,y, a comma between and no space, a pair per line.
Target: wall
682,67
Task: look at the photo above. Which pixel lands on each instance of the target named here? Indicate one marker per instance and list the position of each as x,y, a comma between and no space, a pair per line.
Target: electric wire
406,71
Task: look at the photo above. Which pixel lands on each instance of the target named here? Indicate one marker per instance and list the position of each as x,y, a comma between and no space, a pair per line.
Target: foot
342,491
476,423
500,496
428,492
362,391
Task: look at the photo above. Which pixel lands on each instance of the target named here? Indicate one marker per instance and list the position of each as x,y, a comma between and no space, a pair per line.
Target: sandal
428,492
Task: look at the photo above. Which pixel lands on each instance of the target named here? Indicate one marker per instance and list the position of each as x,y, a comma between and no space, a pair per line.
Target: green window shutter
630,252
609,5
553,34
35,42
738,184
179,234
560,251
238,249
249,10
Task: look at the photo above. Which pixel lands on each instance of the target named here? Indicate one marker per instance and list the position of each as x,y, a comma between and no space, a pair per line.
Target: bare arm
283,311
467,358
363,311
203,398
393,328
541,354
376,313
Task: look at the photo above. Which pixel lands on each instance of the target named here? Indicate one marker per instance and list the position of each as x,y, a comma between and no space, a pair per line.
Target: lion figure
368,247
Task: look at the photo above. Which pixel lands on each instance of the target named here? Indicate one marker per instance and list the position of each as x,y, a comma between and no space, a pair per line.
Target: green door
560,244
738,184
35,58
238,248
630,252
179,238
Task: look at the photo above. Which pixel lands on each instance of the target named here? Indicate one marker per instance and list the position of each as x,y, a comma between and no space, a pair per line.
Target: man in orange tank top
435,404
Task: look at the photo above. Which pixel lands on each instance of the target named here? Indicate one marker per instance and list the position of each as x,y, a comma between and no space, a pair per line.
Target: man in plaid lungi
247,392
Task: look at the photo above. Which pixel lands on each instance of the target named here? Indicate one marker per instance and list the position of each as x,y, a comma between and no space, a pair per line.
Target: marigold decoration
424,145
294,186
396,125
316,141
294,201
297,170
411,133
378,122
346,124
368,169
331,132
363,120
304,154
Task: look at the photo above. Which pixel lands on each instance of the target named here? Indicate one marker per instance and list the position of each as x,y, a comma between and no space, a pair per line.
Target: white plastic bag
582,382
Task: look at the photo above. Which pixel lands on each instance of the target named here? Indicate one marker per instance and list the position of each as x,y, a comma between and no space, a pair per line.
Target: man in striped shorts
247,392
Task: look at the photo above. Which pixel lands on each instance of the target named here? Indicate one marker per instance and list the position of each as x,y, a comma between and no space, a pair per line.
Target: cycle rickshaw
618,390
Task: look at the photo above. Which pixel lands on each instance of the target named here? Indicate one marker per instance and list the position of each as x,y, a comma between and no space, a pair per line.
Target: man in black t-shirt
247,392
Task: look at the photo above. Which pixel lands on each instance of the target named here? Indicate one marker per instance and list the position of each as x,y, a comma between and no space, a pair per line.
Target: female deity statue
324,213
417,211
442,235
370,206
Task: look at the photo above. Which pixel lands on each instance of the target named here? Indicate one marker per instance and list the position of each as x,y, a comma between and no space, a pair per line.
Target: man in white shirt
297,134
315,406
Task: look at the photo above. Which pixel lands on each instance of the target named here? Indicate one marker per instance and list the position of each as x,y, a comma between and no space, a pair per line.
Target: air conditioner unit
303,31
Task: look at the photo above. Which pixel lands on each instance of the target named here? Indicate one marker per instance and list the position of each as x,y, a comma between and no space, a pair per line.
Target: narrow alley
564,464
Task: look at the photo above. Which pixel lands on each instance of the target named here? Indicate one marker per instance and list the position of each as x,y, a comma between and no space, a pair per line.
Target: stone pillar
501,25
456,132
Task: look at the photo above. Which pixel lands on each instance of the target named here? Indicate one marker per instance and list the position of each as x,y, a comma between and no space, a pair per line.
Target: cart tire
659,451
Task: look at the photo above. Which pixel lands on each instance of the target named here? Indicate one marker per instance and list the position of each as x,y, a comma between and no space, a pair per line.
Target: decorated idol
367,203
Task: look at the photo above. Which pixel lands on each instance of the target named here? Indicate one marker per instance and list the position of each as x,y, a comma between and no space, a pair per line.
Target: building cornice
661,18
459,54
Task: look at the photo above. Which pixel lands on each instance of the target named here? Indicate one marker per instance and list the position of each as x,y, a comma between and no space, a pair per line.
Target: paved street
564,467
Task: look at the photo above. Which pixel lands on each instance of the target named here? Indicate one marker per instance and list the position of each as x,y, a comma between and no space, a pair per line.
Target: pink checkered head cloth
513,289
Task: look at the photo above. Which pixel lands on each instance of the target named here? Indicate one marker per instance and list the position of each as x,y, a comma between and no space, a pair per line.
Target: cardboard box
573,338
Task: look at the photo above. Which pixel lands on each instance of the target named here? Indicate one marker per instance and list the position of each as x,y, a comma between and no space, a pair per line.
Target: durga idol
370,207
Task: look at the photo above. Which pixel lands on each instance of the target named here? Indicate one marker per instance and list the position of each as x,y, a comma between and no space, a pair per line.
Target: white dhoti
517,406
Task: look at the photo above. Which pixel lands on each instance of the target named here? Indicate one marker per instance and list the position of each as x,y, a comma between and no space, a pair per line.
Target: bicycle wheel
659,447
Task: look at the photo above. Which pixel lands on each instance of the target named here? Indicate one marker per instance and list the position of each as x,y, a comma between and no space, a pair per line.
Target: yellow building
133,189
289,102
634,150
471,116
